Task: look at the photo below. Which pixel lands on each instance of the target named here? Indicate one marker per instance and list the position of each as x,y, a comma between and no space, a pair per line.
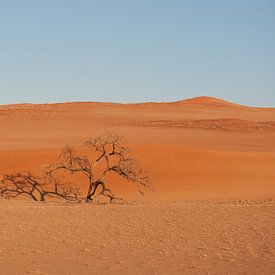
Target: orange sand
202,237
194,149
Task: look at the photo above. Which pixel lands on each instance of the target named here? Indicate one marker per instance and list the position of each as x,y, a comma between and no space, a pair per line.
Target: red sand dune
194,149
210,102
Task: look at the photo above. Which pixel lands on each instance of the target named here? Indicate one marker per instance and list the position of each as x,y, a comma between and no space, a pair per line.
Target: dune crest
208,101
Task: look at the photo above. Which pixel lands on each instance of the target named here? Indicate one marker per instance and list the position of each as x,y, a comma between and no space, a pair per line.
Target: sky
137,50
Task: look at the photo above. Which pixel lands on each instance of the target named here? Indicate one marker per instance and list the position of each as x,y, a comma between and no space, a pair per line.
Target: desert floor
213,167
202,237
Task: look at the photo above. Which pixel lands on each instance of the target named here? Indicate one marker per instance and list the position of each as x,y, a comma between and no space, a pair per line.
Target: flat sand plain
202,237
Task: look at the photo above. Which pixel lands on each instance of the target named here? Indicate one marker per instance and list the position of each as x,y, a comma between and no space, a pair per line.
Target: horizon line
185,100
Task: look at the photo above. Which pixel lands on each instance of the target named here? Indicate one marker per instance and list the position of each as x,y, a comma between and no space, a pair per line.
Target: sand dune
196,148
209,102
214,124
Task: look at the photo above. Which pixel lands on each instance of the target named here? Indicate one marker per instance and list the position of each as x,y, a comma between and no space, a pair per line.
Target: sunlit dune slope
210,102
196,148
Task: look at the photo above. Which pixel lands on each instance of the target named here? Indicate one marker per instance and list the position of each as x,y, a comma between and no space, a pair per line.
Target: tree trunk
42,197
92,189
33,197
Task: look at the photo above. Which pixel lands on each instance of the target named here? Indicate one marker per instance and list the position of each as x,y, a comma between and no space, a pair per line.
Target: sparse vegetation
38,189
110,156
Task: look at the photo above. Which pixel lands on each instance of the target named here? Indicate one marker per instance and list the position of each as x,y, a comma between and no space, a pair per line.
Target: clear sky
137,50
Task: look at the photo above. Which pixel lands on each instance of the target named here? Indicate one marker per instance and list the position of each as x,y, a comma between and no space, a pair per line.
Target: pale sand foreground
153,238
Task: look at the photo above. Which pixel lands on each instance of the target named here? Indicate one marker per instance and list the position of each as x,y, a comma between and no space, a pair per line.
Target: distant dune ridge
196,148
199,101
210,102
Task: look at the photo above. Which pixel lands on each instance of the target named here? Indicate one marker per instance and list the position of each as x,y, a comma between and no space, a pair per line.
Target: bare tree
26,184
112,155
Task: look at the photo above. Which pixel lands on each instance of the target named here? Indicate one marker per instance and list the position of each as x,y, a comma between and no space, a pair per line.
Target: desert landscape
211,211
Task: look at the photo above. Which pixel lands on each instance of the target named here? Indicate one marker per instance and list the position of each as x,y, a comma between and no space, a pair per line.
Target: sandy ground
213,167
202,237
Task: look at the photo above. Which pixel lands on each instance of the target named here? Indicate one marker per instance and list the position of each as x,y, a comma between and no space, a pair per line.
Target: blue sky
133,51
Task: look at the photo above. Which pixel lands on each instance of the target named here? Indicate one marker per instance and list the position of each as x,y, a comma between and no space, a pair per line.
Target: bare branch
28,185
114,154
110,155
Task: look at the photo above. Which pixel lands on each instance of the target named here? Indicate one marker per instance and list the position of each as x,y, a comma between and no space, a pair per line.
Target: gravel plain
191,237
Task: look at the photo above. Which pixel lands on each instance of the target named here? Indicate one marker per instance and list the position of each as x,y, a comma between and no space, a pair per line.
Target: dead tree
28,185
112,155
